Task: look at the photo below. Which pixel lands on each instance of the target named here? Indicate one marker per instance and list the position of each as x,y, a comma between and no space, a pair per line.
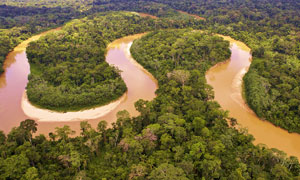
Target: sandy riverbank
48,116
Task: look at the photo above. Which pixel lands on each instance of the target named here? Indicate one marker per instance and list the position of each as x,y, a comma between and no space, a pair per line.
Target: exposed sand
47,115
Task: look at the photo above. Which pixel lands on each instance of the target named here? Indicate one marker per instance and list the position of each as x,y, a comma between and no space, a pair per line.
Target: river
225,78
140,84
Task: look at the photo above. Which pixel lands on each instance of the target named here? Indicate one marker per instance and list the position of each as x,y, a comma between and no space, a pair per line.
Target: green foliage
34,19
272,90
76,4
69,71
19,23
182,132
268,28
167,172
179,49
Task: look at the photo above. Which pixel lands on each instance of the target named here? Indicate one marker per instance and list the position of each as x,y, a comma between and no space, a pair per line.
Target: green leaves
167,172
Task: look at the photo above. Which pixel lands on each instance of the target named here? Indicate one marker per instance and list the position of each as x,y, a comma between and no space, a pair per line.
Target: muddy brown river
225,78
140,83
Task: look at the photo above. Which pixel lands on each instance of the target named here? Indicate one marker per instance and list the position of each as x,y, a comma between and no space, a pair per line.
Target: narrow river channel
226,80
140,84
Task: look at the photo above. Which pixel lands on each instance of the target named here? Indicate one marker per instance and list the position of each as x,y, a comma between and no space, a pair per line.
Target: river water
140,84
225,78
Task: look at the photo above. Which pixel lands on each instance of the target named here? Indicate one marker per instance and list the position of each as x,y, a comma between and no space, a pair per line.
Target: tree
181,76
29,126
167,171
31,174
64,132
280,172
138,172
258,52
2,138
10,164
86,129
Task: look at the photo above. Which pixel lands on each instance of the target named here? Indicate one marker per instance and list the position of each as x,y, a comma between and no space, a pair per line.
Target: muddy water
140,84
226,80
12,84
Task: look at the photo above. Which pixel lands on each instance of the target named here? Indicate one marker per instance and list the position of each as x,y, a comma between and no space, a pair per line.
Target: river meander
225,78
140,84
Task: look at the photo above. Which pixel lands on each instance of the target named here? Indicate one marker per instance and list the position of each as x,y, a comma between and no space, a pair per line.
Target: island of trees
182,133
270,28
68,68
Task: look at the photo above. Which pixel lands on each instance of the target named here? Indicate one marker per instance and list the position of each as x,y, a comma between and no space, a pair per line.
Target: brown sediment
226,80
140,83
13,82
52,116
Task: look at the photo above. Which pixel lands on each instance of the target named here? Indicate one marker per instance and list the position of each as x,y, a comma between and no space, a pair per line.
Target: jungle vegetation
270,28
182,133
19,23
68,68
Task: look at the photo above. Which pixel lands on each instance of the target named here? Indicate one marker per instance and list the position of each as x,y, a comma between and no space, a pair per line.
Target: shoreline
229,94
44,115
133,61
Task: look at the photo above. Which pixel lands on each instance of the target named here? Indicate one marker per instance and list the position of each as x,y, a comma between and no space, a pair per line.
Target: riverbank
44,115
117,43
226,78
47,115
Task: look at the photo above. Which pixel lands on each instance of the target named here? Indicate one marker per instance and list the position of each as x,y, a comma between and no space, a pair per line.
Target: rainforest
136,89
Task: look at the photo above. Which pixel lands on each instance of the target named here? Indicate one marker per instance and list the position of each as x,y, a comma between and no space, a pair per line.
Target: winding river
225,78
140,83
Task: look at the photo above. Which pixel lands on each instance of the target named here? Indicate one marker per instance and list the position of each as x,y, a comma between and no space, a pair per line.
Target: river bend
225,78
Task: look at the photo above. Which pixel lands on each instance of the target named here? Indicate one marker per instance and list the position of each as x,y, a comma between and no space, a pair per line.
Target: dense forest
270,28
272,89
74,75
81,5
179,49
182,134
19,23
267,27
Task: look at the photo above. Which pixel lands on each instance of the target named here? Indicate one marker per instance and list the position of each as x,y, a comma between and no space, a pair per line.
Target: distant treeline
181,134
19,23
271,29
